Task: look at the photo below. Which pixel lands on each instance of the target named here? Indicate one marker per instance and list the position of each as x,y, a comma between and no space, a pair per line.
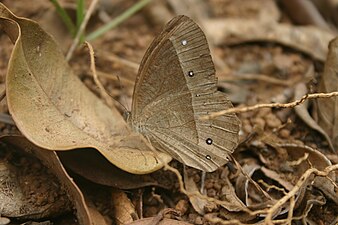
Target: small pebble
210,207
199,220
192,217
197,178
208,184
260,122
247,128
217,186
272,121
182,206
41,200
4,221
284,133
245,122
211,192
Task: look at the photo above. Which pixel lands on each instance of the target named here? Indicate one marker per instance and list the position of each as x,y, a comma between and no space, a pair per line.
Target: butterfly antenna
123,93
113,98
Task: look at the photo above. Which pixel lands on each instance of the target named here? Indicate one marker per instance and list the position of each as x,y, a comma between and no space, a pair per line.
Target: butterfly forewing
176,85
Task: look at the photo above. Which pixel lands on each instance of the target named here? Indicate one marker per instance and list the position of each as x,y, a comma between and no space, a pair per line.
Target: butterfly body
176,84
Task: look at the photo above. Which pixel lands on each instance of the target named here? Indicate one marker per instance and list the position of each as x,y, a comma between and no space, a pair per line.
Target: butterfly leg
202,190
185,174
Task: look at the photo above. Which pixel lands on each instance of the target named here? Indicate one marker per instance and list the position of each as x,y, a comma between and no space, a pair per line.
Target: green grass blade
80,11
64,16
80,14
119,19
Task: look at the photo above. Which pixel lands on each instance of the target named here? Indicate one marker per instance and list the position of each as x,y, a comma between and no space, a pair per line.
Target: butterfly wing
176,85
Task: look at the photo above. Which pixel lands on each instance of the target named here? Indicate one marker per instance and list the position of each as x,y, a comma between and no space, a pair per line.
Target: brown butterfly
176,85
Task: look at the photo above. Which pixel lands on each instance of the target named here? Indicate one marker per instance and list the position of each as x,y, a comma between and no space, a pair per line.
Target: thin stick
199,195
81,29
105,95
288,197
299,184
270,105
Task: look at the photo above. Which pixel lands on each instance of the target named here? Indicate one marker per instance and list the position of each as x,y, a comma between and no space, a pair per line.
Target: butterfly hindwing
176,85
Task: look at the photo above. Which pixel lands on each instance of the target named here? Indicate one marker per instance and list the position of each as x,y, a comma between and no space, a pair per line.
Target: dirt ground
277,146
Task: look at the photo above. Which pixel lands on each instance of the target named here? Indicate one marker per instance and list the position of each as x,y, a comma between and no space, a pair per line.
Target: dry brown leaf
242,182
289,162
260,10
124,210
276,176
247,191
315,159
328,108
234,208
308,202
90,164
305,13
303,113
310,40
54,109
51,161
228,194
300,158
197,203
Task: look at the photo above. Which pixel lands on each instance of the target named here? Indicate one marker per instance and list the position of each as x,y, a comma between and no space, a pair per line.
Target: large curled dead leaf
299,158
244,188
328,108
30,191
308,39
54,109
91,165
314,159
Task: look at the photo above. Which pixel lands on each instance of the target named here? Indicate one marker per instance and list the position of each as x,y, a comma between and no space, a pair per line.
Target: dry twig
81,29
296,188
103,91
271,105
290,196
